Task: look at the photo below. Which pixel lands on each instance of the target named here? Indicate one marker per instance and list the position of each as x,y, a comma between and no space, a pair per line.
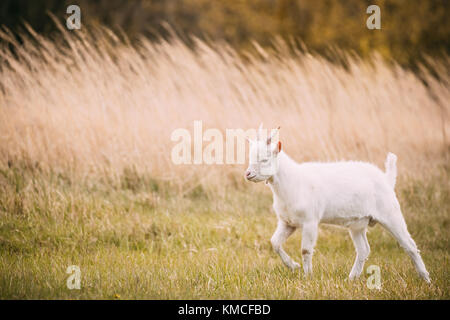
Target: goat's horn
269,140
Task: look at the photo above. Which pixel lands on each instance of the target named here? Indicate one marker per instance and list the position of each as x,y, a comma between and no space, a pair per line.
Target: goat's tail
391,168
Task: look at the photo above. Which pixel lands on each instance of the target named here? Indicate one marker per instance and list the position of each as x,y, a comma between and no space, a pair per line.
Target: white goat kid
350,194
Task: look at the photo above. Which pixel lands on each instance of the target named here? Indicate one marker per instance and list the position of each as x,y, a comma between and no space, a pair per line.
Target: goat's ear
277,148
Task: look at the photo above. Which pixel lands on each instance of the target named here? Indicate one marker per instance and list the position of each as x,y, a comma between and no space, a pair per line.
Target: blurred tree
410,29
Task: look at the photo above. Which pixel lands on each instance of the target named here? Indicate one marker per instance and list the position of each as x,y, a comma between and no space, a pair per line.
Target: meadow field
86,176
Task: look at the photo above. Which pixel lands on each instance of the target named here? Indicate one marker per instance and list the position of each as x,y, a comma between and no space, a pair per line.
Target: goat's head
263,156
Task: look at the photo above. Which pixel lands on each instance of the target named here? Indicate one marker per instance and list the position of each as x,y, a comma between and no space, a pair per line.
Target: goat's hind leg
396,225
362,247
280,236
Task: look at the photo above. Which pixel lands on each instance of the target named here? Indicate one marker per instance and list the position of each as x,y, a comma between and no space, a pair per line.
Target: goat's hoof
294,266
426,277
353,277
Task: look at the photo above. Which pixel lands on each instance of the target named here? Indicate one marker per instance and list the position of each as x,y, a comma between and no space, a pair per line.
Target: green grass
137,239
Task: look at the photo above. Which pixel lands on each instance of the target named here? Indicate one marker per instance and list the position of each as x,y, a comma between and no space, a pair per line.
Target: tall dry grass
90,103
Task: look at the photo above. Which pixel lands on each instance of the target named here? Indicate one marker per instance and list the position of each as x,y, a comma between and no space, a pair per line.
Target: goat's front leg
280,236
309,237
362,247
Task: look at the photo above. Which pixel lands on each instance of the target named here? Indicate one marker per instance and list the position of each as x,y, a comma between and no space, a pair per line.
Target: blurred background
411,29
103,96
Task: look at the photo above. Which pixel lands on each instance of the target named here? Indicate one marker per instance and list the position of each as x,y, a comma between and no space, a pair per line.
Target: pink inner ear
279,146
